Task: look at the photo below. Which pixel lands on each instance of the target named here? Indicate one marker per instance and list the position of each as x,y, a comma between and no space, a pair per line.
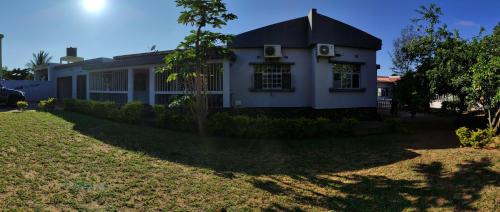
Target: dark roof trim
306,32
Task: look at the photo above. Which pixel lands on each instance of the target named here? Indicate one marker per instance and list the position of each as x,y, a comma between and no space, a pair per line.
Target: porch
144,84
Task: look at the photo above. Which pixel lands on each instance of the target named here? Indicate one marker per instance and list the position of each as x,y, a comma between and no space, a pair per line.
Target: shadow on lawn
457,190
303,161
255,157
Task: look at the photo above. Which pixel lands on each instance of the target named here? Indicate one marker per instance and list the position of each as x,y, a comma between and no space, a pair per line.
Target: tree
485,87
399,56
189,61
40,58
416,52
408,92
453,61
18,74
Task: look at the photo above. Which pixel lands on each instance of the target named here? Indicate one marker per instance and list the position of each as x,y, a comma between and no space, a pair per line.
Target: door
81,87
64,88
141,86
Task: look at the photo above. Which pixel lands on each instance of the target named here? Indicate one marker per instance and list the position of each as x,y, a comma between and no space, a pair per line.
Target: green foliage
129,113
174,118
476,139
412,92
17,74
48,104
40,58
264,127
188,62
22,105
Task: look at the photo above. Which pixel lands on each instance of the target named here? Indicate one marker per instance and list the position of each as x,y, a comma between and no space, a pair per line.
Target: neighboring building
312,61
385,86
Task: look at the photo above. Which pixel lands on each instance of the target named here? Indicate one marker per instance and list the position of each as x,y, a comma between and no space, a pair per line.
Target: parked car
10,96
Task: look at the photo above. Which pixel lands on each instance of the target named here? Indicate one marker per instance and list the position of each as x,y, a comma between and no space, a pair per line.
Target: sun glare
94,5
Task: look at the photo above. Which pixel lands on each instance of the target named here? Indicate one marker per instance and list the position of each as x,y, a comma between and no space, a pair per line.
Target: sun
94,5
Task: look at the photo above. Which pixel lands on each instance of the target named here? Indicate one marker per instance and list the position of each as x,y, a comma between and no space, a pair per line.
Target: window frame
342,76
273,76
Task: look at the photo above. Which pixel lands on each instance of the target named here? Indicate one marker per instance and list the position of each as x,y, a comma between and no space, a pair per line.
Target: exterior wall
241,76
34,90
312,79
323,80
72,72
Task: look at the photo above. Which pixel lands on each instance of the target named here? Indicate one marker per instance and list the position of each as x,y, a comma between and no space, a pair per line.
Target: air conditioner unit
272,51
326,50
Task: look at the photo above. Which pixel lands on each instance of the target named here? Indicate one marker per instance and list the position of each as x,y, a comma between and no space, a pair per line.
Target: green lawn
69,161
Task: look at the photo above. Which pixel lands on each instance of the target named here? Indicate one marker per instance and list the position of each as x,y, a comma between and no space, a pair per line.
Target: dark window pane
355,80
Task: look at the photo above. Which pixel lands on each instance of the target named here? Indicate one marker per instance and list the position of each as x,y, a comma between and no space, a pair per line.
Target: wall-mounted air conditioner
326,50
272,51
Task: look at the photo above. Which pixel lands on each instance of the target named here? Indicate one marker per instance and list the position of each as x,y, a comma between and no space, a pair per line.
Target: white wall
323,81
242,74
311,78
67,72
34,90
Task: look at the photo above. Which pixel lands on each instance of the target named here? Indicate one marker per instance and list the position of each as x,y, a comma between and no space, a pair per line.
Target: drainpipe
1,64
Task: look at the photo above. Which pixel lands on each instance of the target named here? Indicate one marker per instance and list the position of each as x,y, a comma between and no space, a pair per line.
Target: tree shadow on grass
458,190
227,156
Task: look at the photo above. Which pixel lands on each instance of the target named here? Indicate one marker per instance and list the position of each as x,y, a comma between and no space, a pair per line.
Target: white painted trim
226,86
130,87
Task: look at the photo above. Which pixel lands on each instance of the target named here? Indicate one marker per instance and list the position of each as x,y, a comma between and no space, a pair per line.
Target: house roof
388,79
307,31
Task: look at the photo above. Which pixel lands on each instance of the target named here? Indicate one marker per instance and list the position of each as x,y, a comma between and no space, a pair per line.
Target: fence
34,90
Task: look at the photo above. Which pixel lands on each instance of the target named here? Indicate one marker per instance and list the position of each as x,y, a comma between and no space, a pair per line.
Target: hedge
242,126
130,113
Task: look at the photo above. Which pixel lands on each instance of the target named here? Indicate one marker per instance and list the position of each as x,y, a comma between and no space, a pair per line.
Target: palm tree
40,58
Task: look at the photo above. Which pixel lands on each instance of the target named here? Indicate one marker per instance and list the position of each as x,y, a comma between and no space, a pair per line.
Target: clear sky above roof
132,26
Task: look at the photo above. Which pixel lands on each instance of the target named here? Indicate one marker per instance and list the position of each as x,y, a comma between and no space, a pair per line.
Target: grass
66,161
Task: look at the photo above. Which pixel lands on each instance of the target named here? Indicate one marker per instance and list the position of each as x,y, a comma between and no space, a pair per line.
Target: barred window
346,76
272,76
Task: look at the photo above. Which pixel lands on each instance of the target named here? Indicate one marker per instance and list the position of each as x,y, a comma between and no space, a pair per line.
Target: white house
309,62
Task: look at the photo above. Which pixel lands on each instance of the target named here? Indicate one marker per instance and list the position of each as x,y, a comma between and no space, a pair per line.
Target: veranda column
226,91
130,87
151,90
87,81
73,86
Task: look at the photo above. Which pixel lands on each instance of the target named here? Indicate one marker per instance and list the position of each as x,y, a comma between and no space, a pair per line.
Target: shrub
22,105
131,112
101,109
223,124
48,104
476,139
174,119
450,106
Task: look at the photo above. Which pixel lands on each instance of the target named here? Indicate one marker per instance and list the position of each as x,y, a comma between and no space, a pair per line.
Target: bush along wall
243,126
131,113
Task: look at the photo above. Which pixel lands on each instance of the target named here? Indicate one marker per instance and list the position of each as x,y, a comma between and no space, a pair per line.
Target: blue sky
132,26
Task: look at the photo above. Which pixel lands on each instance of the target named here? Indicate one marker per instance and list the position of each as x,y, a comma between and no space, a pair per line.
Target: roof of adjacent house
388,79
307,31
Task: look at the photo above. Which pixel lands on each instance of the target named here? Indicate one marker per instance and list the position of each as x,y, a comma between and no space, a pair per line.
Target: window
272,76
346,76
